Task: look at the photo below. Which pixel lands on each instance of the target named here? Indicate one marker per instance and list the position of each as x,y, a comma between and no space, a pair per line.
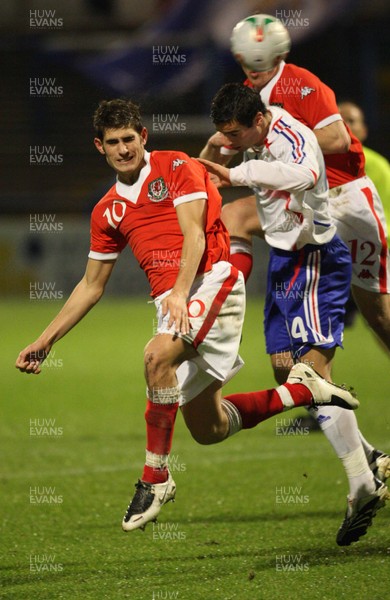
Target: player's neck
261,83
131,178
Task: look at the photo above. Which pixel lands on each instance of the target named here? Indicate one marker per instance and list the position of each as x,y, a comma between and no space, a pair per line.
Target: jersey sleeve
106,241
312,103
274,176
188,180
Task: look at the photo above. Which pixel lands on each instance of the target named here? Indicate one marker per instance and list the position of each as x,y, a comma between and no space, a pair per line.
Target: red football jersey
143,215
313,103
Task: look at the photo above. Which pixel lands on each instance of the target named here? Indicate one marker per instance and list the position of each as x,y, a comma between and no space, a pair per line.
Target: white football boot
324,392
147,502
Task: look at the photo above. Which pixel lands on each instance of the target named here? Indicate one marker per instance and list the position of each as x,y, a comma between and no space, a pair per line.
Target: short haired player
309,270
163,204
261,43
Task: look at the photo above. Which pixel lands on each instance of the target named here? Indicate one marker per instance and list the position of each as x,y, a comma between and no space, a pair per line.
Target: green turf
255,517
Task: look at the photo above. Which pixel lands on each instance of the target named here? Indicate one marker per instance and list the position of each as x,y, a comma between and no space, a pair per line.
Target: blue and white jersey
287,175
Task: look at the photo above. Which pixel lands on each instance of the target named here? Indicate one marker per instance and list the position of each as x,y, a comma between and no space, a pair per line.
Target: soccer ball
258,40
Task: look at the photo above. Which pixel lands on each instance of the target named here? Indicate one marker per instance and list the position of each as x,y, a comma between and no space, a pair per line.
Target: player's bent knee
207,435
233,216
157,364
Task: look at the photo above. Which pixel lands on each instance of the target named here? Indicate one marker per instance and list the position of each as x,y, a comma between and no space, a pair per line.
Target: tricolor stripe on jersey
296,139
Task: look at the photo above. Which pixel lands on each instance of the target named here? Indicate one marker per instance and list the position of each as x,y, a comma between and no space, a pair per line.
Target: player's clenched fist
30,359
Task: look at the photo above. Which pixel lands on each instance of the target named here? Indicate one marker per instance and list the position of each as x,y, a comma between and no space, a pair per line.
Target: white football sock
341,429
233,415
240,245
368,448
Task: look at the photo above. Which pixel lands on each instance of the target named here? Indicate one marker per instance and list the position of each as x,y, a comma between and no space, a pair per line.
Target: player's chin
126,163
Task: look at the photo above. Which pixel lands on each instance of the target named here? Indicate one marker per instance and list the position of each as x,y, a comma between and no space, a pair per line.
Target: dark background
350,52
104,48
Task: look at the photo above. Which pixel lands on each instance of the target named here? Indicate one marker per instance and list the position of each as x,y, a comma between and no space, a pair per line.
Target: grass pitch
255,517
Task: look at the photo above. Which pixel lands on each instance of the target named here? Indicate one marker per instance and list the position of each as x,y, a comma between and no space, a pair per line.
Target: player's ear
144,135
99,145
259,118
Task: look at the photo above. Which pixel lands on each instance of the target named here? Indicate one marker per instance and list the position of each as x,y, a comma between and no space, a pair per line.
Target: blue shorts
306,295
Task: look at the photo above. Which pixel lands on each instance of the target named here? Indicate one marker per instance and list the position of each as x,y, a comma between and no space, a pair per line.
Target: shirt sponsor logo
365,274
158,190
305,91
177,162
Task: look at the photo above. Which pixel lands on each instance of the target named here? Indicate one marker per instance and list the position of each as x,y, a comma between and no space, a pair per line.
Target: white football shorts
216,310
360,220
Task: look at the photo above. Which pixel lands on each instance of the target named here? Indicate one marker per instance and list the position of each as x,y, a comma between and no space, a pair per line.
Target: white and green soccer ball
258,41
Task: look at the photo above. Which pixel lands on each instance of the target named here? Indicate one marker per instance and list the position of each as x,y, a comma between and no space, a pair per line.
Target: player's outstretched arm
287,176
83,298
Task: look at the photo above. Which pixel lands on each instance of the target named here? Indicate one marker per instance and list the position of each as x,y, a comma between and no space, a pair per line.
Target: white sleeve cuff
190,198
103,256
328,121
228,151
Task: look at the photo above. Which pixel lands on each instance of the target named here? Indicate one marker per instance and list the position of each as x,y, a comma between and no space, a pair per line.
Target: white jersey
288,177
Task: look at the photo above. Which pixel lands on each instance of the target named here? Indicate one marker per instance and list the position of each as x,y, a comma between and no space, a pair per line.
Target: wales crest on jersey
158,190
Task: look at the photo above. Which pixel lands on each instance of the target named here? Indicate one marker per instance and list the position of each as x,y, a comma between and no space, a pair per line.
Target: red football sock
243,262
255,407
160,421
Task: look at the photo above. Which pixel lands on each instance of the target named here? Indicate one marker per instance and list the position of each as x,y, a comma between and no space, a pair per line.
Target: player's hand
30,359
176,305
217,140
219,171
213,149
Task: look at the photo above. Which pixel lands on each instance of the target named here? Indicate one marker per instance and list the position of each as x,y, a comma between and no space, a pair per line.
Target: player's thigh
241,219
204,415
